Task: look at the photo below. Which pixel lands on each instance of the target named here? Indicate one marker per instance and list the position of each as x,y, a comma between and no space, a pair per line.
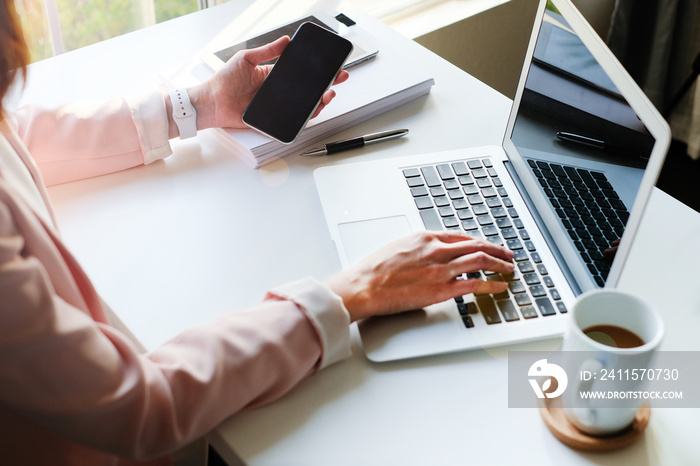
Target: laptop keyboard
589,208
470,196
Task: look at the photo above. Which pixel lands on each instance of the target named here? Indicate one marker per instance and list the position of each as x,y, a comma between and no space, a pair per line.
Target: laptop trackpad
366,236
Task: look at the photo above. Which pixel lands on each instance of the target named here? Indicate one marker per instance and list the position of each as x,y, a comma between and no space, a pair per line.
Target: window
54,26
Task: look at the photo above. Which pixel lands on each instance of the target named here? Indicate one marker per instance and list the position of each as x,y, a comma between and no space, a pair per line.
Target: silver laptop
566,192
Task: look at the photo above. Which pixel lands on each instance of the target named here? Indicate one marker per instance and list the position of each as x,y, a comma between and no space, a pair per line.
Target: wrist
202,101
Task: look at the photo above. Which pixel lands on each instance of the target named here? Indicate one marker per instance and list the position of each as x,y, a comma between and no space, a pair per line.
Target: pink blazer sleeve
86,381
87,139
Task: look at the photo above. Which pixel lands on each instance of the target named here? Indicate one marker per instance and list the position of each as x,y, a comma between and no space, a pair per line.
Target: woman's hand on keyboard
419,270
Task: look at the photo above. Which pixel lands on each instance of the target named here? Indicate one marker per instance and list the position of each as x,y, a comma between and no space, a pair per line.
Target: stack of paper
381,84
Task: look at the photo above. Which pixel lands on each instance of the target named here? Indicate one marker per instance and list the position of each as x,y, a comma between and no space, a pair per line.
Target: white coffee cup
596,361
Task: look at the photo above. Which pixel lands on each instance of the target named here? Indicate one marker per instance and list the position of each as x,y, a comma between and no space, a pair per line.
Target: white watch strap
184,114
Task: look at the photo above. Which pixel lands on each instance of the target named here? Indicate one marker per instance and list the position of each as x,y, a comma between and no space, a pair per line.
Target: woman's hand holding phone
221,100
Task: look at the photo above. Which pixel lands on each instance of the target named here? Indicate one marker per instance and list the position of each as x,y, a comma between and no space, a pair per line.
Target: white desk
179,242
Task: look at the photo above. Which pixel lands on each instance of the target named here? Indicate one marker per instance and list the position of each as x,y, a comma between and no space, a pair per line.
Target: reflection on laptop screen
583,144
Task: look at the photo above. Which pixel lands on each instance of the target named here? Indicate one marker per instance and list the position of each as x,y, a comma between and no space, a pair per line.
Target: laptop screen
583,151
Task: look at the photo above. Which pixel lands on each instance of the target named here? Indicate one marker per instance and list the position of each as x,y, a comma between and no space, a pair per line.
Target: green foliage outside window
85,22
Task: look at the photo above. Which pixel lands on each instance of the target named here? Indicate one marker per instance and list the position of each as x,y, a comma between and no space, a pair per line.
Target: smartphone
293,89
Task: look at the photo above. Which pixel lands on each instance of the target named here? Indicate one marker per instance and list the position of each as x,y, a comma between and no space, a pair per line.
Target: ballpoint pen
345,144
598,144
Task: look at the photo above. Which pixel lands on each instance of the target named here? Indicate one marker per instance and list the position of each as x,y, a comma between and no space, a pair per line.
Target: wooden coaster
559,425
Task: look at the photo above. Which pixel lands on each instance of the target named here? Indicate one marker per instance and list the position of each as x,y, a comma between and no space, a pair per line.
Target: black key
431,220
470,189
522,299
548,281
468,321
470,224
499,212
419,191
465,214
610,194
537,291
490,230
624,216
617,204
493,202
516,287
455,194
520,255
587,178
445,211
545,305
555,294
528,312
483,183
508,310
411,172
431,176
514,244
558,170
542,269
460,204
480,209
441,201
450,222
479,173
503,223
423,203
484,220
531,278
509,233
466,180
466,308
573,174
488,310
437,191
445,172
475,199
526,267
460,168
532,163
562,307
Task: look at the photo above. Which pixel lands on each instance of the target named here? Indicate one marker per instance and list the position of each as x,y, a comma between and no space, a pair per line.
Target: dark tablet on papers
364,45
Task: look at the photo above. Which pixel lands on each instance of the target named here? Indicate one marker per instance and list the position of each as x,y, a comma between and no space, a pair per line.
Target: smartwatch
184,114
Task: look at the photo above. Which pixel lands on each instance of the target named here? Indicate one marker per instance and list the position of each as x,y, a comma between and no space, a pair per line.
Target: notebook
565,191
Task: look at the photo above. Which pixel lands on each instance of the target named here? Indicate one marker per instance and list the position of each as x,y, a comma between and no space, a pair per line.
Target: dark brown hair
14,53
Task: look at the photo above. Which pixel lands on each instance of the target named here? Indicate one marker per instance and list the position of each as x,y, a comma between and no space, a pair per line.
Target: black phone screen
291,92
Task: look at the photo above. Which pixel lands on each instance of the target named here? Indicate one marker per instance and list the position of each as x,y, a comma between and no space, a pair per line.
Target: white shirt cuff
149,115
327,313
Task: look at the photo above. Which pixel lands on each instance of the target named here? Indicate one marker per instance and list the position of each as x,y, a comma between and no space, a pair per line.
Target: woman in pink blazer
74,390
